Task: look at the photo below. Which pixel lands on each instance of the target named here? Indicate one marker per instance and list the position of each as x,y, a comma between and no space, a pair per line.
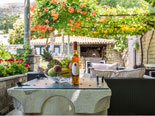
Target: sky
12,1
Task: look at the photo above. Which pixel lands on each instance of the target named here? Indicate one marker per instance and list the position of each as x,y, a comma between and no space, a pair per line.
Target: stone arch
57,105
103,103
146,40
17,104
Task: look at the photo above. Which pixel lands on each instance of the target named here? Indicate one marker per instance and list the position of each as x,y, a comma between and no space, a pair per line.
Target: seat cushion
100,66
135,73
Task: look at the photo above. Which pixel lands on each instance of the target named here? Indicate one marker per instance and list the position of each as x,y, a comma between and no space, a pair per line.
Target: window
39,50
56,50
48,48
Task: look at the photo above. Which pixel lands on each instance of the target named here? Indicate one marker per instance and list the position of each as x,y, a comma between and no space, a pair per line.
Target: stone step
15,112
4,111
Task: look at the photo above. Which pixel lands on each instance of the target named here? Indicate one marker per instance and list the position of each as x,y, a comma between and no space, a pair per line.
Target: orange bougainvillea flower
102,20
106,6
63,7
71,21
55,18
79,10
44,28
53,11
40,13
50,28
46,9
77,24
70,9
87,18
55,14
33,28
93,13
84,13
41,28
32,7
46,21
73,28
31,19
70,24
82,5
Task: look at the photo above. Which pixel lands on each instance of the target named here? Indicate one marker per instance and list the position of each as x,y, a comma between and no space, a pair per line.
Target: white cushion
100,66
135,73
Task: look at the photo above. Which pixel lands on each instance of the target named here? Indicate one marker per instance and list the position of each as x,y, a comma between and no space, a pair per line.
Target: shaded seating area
112,70
132,91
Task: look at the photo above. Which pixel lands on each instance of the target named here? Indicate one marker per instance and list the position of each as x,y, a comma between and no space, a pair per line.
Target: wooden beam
123,15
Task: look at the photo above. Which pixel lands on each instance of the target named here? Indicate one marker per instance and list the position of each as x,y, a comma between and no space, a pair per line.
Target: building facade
87,47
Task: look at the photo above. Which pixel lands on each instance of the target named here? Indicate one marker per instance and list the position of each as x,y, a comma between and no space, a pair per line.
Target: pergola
27,20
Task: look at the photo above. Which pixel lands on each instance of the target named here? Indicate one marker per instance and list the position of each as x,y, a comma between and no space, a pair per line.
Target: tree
16,35
7,23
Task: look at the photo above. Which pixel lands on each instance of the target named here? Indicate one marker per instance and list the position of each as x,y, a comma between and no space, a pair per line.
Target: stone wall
118,58
110,53
148,43
6,103
34,62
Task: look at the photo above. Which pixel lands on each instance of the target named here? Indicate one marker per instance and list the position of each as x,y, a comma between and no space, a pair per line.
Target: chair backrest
100,66
95,60
134,73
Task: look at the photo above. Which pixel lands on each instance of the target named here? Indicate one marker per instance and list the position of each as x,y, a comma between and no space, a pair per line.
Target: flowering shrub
12,66
50,15
76,16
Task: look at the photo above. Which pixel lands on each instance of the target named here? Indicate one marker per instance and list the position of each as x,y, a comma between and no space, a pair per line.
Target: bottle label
75,69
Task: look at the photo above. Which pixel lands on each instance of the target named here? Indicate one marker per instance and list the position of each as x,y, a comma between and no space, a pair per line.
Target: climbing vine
78,17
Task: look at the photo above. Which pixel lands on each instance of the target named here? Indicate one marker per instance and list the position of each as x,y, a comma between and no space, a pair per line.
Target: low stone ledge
12,77
6,103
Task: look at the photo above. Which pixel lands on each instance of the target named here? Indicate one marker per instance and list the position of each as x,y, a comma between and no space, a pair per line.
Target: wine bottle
75,66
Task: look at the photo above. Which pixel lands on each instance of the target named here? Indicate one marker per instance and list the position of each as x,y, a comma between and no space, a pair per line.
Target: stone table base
63,101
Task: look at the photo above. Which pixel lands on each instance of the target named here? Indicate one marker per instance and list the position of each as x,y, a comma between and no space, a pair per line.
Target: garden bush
4,54
12,66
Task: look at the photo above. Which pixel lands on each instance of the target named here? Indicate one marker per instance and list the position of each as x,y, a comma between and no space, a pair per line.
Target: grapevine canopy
77,17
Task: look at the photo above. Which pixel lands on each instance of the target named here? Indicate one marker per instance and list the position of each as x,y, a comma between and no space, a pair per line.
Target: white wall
131,55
